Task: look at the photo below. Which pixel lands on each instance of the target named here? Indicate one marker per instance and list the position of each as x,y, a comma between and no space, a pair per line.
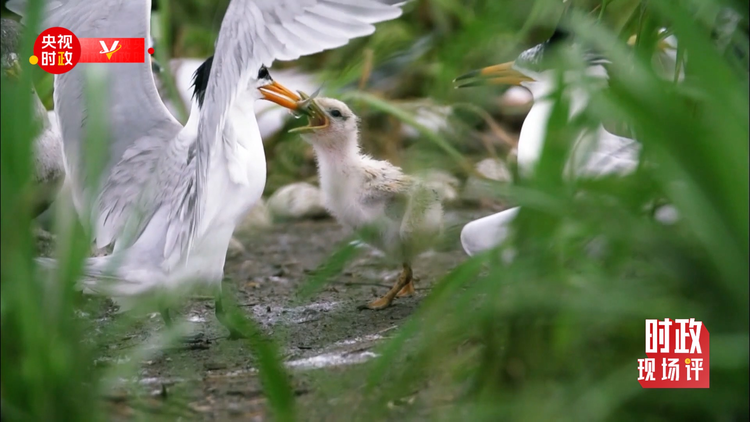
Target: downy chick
390,211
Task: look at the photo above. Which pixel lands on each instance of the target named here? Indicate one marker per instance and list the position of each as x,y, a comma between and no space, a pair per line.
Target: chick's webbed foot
407,290
404,280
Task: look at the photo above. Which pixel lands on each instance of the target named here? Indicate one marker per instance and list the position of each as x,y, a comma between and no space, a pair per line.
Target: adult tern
595,153
170,196
49,169
610,154
393,212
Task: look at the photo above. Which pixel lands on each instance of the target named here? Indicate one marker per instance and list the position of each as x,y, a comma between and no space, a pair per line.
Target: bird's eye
263,73
335,113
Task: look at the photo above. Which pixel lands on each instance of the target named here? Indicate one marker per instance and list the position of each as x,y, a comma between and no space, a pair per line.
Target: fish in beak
281,95
500,74
317,118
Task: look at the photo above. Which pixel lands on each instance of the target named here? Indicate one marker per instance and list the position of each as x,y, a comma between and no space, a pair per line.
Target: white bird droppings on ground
331,359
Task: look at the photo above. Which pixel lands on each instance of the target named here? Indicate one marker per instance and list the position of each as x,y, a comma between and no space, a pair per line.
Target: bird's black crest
558,36
200,80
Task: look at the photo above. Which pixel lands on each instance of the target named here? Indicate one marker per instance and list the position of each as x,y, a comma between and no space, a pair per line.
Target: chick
391,211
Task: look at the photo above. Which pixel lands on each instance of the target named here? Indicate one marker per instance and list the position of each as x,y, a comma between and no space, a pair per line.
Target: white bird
170,196
395,213
665,59
49,169
595,153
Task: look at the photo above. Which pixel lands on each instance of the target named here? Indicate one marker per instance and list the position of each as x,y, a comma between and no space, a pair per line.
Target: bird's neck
193,117
338,150
338,161
534,128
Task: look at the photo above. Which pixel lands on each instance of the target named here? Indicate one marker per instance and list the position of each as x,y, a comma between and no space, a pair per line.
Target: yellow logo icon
109,51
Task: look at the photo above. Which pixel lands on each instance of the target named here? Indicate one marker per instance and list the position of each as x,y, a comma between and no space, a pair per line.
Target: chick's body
391,211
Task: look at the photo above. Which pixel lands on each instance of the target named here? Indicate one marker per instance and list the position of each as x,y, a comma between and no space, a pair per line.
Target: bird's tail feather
103,277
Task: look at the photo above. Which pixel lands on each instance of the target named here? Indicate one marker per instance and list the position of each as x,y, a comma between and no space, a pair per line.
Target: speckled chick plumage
392,211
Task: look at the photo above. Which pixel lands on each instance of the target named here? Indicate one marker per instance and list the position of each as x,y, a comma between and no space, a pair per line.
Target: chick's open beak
281,95
310,108
500,74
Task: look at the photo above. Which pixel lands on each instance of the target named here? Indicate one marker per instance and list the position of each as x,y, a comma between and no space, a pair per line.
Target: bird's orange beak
281,95
499,74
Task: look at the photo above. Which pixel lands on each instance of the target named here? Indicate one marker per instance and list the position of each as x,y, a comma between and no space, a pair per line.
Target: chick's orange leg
385,301
407,290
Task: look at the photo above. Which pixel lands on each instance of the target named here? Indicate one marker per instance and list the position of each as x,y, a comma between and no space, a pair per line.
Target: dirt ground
213,378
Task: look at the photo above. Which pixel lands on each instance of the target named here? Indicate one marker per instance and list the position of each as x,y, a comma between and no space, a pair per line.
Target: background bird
170,196
49,169
391,211
596,151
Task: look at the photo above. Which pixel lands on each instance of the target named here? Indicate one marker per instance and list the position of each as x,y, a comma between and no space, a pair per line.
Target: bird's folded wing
387,185
255,33
139,125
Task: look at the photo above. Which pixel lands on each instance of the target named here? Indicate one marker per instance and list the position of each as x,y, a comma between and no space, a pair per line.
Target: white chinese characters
670,371
48,58
65,41
695,366
647,366
48,41
658,333
694,332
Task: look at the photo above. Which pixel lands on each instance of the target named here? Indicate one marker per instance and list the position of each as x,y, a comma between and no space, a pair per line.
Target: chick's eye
263,73
335,113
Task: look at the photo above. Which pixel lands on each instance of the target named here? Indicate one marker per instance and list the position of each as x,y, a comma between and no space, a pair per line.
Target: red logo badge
113,50
678,354
57,50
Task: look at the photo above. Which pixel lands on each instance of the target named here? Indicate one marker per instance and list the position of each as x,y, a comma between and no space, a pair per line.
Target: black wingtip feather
200,80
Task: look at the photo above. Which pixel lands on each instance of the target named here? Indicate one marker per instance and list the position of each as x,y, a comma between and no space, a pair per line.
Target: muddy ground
213,378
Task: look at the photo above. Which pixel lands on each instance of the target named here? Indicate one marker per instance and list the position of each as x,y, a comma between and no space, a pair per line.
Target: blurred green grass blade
274,377
332,266
46,368
438,298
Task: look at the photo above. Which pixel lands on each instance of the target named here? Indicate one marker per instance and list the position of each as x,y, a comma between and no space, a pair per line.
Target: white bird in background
391,211
170,196
604,153
595,153
665,61
49,169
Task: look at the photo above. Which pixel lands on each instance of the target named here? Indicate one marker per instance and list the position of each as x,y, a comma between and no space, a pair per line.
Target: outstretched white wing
139,125
255,33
